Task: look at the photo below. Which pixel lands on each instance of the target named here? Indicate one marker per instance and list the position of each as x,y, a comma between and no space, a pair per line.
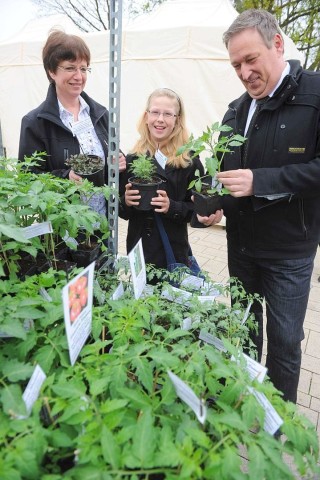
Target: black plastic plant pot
146,190
97,178
205,205
83,256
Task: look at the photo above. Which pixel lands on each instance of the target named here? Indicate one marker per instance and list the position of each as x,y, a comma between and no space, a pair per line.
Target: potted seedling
206,189
88,166
145,180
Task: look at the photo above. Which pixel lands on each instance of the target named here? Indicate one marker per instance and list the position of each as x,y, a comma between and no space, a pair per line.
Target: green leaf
136,396
9,473
13,232
257,462
12,401
99,385
73,389
15,329
15,370
144,370
110,449
144,444
45,356
60,439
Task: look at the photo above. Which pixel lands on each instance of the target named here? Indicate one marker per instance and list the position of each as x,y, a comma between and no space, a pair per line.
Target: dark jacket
142,223
284,156
42,130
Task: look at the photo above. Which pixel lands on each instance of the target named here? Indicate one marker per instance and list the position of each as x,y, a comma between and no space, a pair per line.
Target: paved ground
209,247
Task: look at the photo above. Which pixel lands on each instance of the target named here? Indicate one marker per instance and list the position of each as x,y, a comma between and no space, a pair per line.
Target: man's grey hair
265,24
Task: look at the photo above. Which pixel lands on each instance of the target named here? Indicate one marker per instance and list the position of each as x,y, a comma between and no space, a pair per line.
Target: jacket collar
289,83
50,107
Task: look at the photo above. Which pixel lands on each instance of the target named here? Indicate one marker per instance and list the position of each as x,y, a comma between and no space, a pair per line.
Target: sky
14,15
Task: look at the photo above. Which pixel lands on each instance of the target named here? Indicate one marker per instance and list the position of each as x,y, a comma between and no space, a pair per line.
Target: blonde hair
179,136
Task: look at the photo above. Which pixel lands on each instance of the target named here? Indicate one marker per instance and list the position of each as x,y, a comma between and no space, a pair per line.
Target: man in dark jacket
273,212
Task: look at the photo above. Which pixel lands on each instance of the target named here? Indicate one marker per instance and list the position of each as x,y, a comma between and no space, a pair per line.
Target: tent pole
114,120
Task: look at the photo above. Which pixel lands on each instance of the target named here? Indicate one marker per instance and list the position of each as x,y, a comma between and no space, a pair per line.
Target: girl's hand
161,202
131,197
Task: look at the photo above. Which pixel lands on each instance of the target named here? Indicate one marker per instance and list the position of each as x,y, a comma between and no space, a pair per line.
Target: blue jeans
285,286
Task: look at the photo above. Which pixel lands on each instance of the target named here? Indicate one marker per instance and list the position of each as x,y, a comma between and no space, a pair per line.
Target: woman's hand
74,177
212,219
161,202
131,197
122,162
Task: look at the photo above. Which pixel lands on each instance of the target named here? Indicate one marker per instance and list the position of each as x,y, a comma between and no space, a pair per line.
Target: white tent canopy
178,46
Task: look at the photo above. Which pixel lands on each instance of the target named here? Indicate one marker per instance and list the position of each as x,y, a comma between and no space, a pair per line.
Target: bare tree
92,15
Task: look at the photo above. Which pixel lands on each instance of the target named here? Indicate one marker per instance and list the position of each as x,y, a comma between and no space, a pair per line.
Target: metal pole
1,144
114,120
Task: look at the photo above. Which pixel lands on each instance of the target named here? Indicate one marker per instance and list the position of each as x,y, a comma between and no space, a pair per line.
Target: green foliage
27,198
115,413
214,148
85,164
143,168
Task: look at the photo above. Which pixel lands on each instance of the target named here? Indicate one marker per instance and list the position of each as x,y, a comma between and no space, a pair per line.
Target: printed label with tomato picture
78,297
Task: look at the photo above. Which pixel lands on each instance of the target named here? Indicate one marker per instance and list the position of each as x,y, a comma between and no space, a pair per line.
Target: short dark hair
264,22
62,46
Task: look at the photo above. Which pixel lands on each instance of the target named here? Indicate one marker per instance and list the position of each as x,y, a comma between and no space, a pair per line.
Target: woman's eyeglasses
74,69
157,114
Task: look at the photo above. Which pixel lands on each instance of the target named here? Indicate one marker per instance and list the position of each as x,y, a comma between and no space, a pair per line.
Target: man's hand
238,182
212,219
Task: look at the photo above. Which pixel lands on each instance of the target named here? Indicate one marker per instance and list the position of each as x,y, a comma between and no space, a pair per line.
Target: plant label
174,294
37,229
31,393
119,292
187,395
138,269
272,421
212,340
256,370
77,306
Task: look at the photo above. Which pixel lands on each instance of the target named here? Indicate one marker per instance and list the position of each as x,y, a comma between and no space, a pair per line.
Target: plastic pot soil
97,178
146,190
205,205
84,255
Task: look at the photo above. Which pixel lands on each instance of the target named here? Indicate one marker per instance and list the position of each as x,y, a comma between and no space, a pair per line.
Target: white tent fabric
178,46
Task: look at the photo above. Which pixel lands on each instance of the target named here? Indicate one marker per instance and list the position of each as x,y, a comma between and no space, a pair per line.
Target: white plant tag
272,421
246,313
256,370
212,340
176,295
44,294
188,396
211,289
32,390
206,298
37,229
192,281
161,158
119,292
82,126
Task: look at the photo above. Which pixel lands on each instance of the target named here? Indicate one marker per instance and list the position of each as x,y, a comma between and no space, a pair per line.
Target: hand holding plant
216,149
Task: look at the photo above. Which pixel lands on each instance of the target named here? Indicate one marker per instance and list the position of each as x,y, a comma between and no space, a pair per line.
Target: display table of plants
115,414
